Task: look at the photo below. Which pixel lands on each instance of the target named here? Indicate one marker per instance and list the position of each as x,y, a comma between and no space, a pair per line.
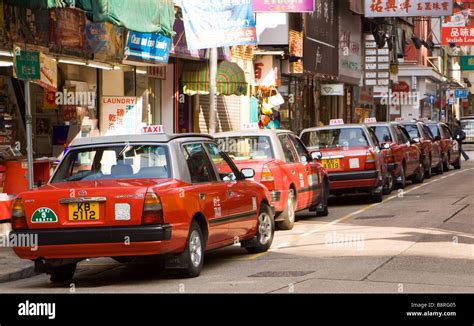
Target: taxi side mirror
248,173
416,140
385,146
316,156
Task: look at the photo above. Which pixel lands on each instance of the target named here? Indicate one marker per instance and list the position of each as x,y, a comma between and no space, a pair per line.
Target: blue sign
432,99
152,47
460,93
216,23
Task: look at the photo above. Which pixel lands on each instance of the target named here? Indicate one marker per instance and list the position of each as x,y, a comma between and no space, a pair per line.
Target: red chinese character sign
121,115
459,28
408,8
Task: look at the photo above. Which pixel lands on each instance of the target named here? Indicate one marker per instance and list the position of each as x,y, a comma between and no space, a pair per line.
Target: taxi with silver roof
174,196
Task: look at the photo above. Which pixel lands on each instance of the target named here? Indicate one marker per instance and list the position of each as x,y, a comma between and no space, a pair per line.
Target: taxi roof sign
336,122
399,119
370,120
153,129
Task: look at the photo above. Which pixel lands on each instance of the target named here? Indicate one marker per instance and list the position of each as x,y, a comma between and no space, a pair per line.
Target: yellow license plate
332,164
83,212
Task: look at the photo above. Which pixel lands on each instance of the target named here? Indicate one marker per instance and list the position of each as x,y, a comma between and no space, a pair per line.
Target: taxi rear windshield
335,138
247,147
114,162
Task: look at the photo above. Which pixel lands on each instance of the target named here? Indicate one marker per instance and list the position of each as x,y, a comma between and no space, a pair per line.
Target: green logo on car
44,215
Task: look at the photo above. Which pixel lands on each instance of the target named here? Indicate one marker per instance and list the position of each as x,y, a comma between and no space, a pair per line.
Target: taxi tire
377,197
401,184
389,183
191,270
447,159
428,169
457,164
439,169
63,273
254,246
289,214
324,211
419,176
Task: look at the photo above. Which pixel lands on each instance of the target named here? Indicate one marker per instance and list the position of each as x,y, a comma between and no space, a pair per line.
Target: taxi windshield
114,162
335,138
247,147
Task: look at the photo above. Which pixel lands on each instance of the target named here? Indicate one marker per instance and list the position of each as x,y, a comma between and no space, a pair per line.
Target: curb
23,273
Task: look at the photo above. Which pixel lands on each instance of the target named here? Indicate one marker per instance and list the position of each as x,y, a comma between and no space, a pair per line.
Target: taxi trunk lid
87,203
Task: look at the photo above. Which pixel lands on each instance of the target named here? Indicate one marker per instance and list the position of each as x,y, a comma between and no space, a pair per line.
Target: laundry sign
332,90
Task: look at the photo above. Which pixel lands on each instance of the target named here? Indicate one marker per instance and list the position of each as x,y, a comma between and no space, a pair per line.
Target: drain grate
375,216
282,274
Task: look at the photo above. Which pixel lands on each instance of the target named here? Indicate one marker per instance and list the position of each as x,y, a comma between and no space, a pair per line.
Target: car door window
300,148
226,172
200,167
373,137
447,132
288,150
427,133
401,135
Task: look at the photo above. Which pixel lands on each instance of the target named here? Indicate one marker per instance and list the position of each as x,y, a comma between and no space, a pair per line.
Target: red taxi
352,157
128,196
449,147
283,164
421,135
403,157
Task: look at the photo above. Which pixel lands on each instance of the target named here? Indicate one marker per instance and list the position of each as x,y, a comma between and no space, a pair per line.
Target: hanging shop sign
147,47
377,66
179,47
48,73
266,70
459,28
461,93
217,23
401,87
121,115
68,26
467,63
26,26
26,64
105,40
332,90
408,8
158,72
283,6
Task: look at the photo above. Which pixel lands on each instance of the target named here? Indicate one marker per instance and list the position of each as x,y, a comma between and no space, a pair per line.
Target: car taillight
267,178
152,209
370,161
390,158
18,215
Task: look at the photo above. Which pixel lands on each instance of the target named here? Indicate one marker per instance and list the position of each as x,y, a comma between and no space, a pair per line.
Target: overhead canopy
230,79
145,16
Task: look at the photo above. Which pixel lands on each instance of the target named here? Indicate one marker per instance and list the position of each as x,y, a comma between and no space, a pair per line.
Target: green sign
44,215
467,62
27,65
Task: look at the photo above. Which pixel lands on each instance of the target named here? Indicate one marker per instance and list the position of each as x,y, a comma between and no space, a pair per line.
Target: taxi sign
399,119
370,120
154,129
336,122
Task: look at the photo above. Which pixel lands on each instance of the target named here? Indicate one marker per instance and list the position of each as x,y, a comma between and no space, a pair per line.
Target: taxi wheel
194,253
288,215
439,169
322,209
62,274
401,184
428,170
457,164
265,232
420,174
446,161
389,183
377,197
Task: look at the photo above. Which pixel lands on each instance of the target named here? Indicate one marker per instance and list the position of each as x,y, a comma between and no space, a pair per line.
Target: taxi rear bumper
351,180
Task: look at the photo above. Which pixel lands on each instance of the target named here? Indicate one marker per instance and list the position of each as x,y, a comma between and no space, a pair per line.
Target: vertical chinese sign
408,8
121,115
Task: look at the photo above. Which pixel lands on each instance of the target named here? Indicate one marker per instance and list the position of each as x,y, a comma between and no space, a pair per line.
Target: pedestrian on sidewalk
460,135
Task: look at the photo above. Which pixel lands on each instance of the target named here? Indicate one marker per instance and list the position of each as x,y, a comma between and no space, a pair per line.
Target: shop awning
230,79
145,16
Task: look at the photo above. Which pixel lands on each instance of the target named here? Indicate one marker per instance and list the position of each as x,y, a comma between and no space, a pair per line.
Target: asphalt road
418,241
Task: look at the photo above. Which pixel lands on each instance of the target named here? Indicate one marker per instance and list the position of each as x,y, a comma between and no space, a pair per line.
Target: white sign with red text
370,120
157,129
408,8
120,115
336,122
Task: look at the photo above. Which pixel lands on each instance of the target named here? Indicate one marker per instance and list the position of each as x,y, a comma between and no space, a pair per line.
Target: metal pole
213,91
29,135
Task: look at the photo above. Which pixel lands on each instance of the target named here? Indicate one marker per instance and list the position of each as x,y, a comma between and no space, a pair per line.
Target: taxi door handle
202,196
293,172
230,193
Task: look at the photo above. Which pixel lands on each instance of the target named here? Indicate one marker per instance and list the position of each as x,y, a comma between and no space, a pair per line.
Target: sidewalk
11,267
